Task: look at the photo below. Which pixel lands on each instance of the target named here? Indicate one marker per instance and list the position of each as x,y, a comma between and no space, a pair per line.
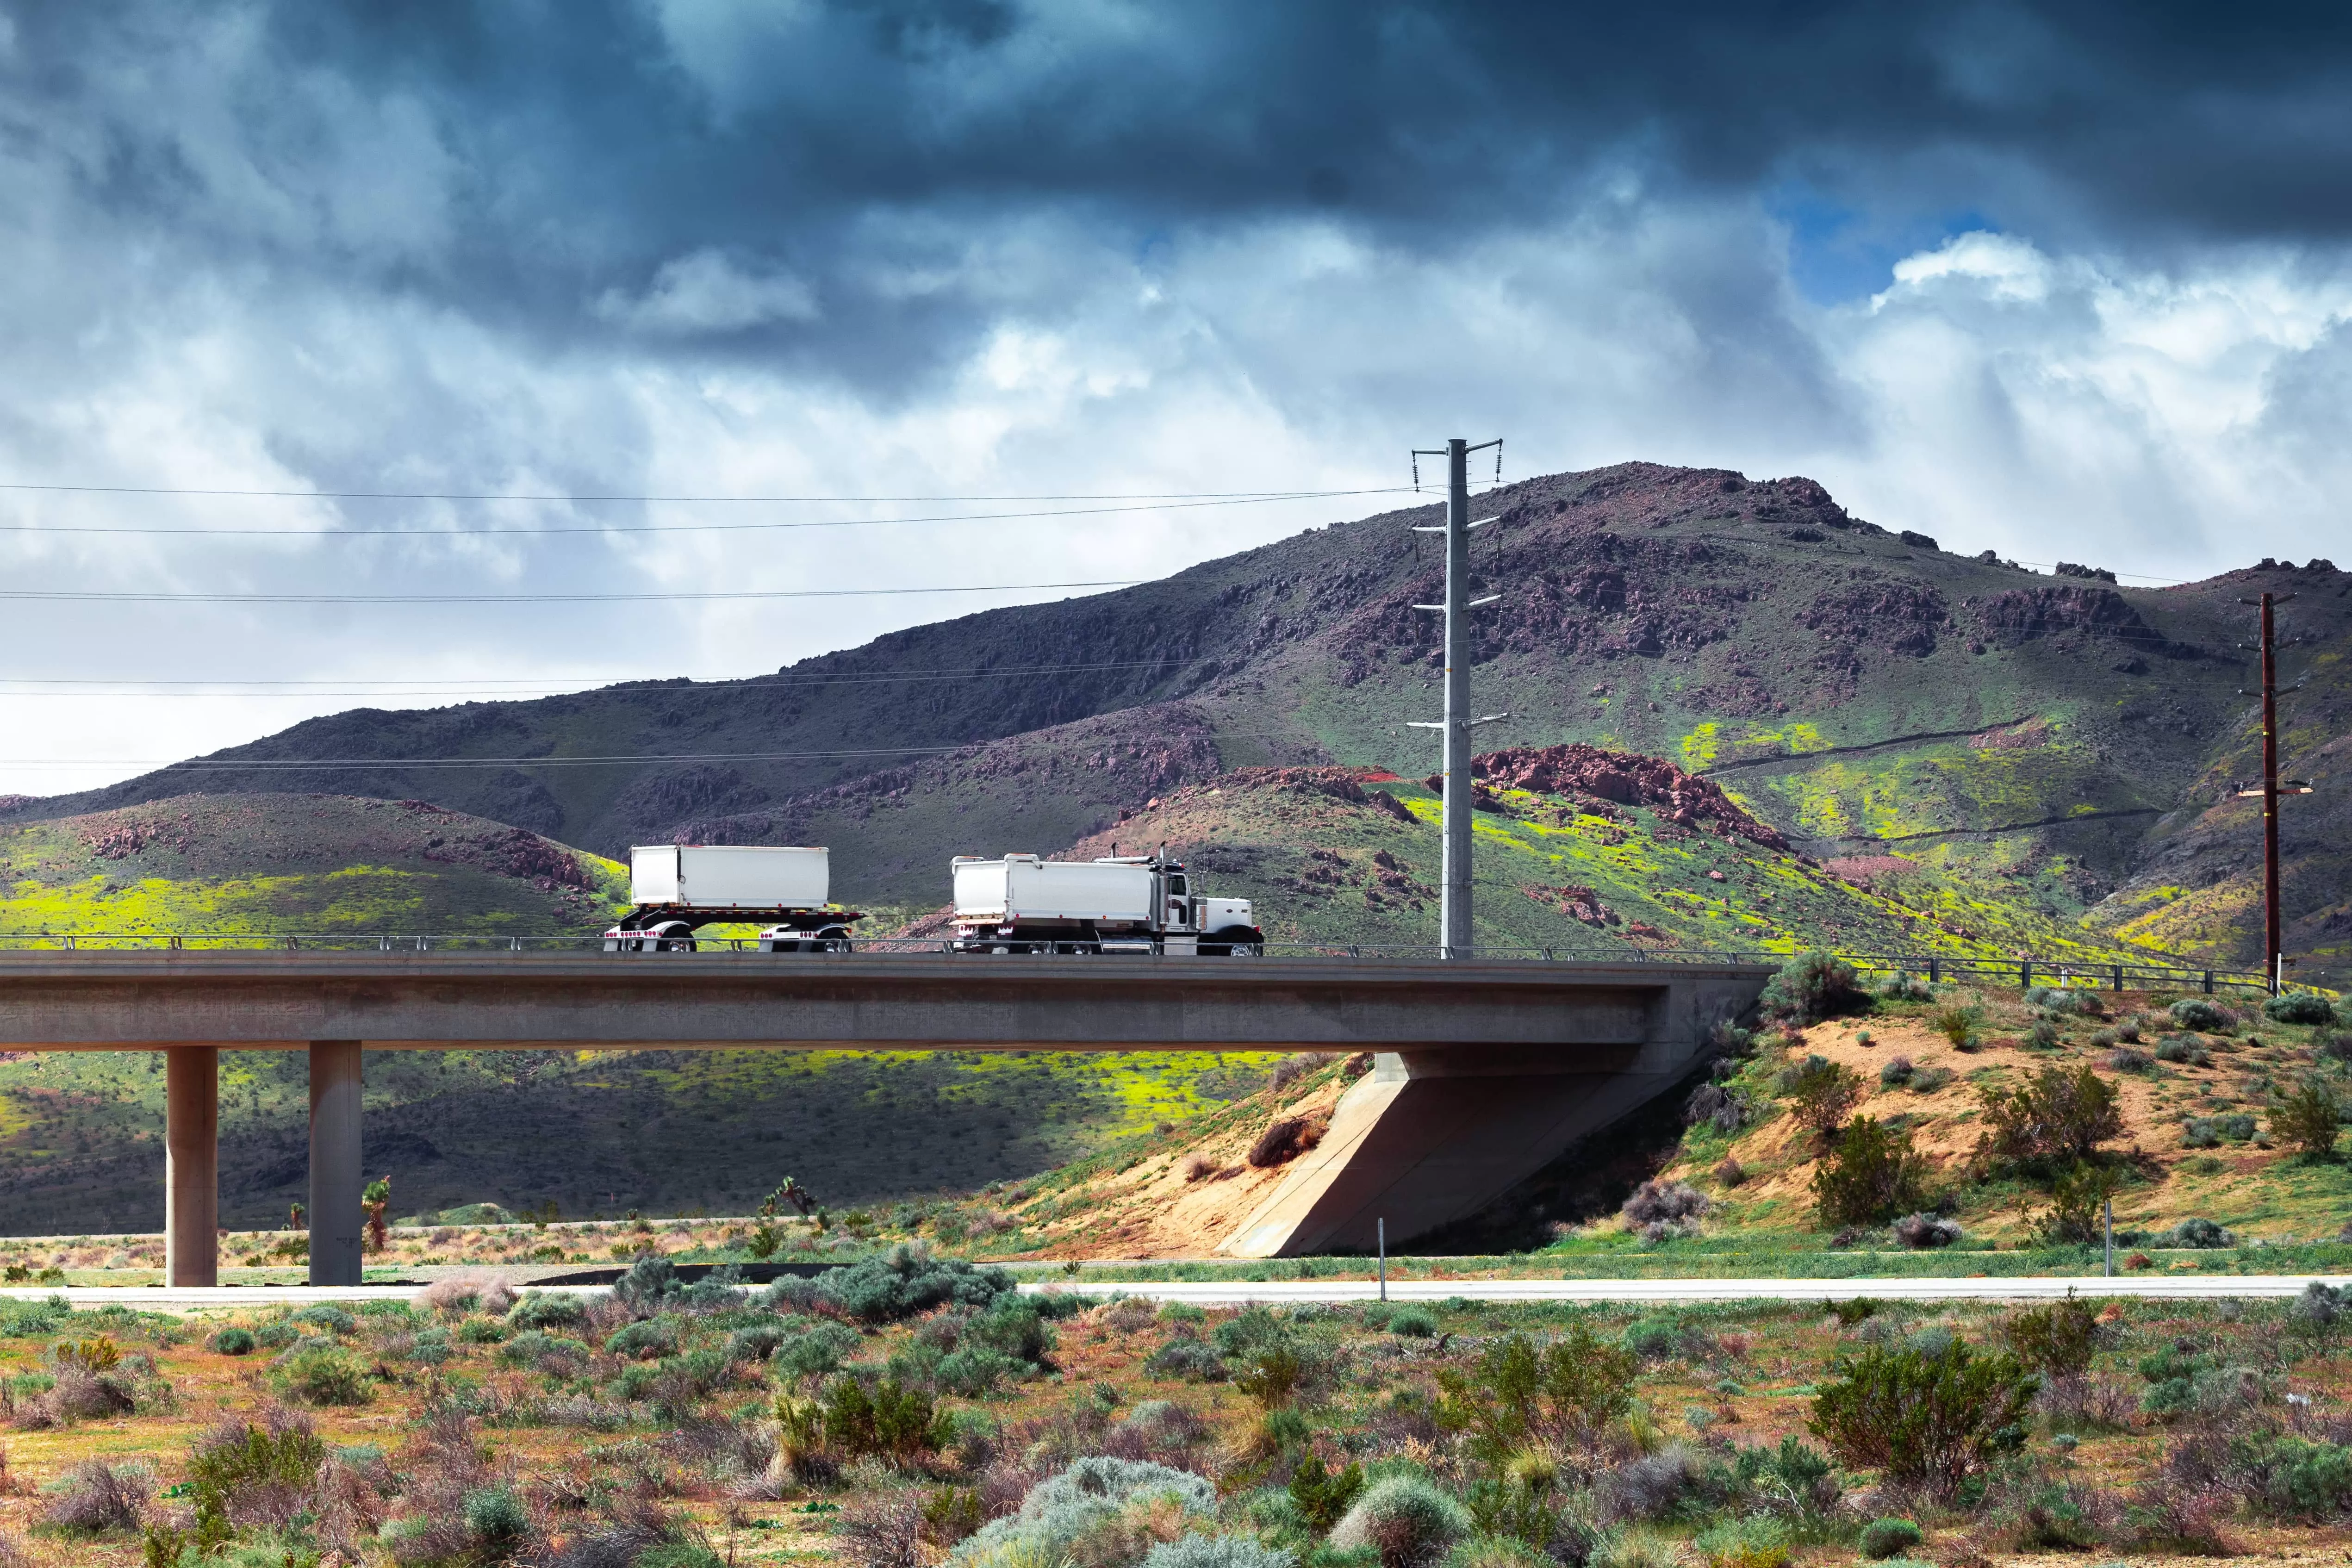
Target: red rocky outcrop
1627,778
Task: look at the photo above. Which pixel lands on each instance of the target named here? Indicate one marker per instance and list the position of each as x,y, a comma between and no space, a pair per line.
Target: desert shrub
2334,1044
890,1422
646,1340
547,1309
1092,1493
1189,1359
276,1335
907,1281
2126,1059
1295,1066
1904,986
2319,1311
2042,1035
1285,1139
330,1317
2059,1339
1896,1072
2082,1000
496,1521
1670,1202
2299,1007
1636,1546
974,1371
811,1349
1956,1025
1920,1231
1924,1420
1816,986
2183,1050
2059,1515
482,1331
98,1498
1885,1538
426,1347
1722,1106
1757,1542
1497,1552
234,1342
1411,1522
546,1351
2309,1120
2211,1131
756,1342
1321,1495
1871,1175
1412,1323
2295,1478
2056,1117
2074,1218
1217,1551
247,1476
1517,1395
1015,1327
1271,1376
325,1375
2205,1017
1820,1094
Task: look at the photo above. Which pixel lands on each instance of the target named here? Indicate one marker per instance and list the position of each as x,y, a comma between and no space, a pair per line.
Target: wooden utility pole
2272,786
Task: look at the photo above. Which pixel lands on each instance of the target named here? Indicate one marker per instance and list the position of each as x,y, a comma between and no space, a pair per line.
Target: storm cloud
2051,280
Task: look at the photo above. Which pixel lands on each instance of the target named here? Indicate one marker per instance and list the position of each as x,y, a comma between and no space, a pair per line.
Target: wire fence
2023,971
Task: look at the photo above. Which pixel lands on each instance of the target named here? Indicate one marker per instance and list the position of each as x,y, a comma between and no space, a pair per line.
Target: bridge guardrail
2025,971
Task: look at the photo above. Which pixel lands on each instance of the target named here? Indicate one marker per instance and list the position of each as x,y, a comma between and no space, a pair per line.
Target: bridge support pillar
335,1257
1433,1136
191,1165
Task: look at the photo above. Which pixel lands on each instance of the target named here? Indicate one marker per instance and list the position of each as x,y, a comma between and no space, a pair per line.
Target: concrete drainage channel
1240,1292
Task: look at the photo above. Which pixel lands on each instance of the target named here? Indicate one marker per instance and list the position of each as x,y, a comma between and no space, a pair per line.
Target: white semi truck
676,887
1124,903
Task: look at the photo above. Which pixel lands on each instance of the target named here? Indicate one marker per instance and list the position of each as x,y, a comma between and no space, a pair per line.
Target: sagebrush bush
98,1498
1091,1493
1921,1231
1671,1202
811,1349
1896,1072
2205,1017
1189,1359
2211,1131
2182,1051
1217,1551
1412,1323
908,1280
1922,1419
2299,1007
325,1375
234,1342
1816,986
546,1310
2074,1217
1410,1521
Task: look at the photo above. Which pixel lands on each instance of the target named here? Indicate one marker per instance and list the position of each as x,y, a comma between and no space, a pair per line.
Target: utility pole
1454,899
2272,786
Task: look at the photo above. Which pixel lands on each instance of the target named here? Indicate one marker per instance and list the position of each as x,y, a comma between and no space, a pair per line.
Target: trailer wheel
1234,941
832,939
670,936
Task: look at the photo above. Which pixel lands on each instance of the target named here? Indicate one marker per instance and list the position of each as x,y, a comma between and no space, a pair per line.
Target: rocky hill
2058,742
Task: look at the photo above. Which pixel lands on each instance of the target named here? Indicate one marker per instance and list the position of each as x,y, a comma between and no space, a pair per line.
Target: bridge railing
2022,970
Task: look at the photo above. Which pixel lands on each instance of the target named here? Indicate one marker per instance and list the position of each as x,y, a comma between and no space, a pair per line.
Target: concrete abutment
191,1165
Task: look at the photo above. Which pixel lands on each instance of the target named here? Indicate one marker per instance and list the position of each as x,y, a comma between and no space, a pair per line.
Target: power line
478,689
92,596
288,764
1179,503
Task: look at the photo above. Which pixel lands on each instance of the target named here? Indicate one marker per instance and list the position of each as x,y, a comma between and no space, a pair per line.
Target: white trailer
675,888
1116,904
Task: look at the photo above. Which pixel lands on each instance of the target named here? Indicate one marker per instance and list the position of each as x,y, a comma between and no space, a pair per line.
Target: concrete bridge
1483,1070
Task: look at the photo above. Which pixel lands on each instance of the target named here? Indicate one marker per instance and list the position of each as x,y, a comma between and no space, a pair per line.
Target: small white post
2110,1206
1382,1226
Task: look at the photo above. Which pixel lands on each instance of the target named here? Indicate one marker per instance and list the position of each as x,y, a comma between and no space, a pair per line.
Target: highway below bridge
1484,1071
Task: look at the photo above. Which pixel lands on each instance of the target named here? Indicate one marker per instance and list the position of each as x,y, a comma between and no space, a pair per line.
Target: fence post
2209,982
2025,974
1934,970
2119,978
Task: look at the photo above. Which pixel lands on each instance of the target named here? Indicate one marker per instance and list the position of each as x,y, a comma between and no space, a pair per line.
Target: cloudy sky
2059,280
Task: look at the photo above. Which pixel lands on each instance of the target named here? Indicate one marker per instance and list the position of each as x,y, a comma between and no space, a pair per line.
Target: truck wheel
1234,941
832,939
671,936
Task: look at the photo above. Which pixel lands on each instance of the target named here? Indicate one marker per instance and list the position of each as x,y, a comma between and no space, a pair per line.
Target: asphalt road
1237,1292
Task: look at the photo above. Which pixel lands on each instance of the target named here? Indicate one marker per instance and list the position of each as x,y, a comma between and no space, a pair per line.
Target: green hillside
2059,738
272,864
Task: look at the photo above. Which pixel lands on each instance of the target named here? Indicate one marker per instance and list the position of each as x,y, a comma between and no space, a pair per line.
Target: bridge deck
113,1000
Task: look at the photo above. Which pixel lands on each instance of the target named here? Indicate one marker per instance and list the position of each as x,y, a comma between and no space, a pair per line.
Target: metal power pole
1453,940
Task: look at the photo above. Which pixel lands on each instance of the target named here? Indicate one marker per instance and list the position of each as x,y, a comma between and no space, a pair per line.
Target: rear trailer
677,888
1021,903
